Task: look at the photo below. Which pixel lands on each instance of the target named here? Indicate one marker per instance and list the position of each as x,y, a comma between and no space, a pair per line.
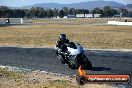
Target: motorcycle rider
61,46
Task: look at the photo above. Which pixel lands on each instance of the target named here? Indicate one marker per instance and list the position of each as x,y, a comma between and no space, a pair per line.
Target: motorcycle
74,56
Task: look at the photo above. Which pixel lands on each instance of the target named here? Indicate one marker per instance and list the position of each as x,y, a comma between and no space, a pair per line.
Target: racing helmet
62,37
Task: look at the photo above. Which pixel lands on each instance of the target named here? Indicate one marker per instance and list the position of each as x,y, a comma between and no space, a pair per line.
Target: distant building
96,15
71,16
117,16
83,16
88,15
80,15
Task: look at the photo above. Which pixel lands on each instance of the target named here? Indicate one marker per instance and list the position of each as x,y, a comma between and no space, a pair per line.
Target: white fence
120,23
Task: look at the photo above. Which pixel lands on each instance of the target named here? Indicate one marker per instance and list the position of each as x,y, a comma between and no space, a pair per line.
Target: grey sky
16,3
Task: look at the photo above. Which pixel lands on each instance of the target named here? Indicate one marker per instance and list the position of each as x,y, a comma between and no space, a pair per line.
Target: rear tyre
81,80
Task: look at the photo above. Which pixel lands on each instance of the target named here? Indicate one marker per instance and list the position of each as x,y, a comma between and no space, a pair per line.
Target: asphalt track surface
44,59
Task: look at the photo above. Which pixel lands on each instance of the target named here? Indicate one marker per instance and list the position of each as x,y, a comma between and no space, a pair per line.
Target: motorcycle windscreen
75,51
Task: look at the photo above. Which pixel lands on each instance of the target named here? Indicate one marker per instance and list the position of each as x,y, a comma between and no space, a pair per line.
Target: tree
61,13
65,9
5,11
84,11
39,12
50,13
32,12
26,12
113,12
106,11
71,11
18,13
78,11
36,12
124,12
97,11
44,13
55,12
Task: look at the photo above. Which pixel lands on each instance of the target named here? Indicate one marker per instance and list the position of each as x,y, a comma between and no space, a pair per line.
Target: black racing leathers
62,45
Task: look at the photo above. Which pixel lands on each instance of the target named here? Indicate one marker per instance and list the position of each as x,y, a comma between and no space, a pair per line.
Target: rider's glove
59,50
